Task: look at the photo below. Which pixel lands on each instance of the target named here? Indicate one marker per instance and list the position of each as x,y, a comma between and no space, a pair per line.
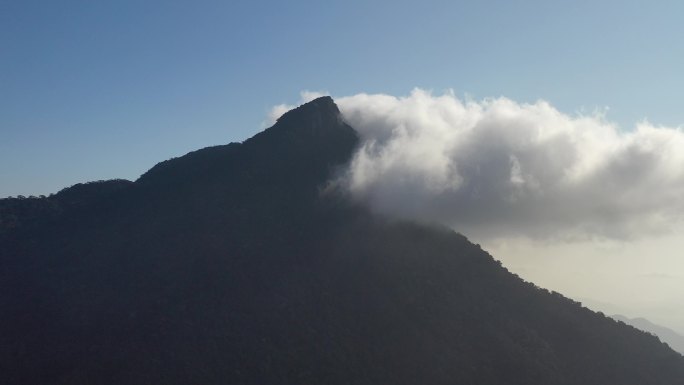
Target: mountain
241,264
667,335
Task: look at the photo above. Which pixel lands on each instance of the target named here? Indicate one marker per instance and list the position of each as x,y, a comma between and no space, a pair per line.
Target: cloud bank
498,168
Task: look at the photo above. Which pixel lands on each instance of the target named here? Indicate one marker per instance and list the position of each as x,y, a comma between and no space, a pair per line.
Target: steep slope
235,265
666,335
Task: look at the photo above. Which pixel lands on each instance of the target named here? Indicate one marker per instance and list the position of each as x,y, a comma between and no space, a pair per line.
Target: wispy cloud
659,276
498,168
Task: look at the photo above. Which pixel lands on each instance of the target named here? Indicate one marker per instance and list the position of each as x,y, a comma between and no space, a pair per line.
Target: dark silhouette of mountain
666,335
237,264
33,211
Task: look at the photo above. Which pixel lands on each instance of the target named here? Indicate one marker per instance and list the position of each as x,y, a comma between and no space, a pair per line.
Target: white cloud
518,178
498,168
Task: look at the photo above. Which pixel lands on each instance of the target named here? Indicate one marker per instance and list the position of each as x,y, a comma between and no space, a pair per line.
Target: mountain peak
228,265
317,113
323,104
313,134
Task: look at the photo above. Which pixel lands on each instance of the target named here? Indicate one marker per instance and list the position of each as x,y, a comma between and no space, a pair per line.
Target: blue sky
98,90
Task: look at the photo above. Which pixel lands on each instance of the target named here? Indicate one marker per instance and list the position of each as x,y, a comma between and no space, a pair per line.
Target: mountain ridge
228,265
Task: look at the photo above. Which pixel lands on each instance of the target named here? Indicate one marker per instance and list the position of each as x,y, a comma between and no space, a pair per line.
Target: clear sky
97,90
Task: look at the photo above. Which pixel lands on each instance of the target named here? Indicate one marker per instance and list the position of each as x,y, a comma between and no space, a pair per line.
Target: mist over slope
242,264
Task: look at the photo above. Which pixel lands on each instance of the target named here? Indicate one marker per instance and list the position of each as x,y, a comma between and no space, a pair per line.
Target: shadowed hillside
231,265
666,335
